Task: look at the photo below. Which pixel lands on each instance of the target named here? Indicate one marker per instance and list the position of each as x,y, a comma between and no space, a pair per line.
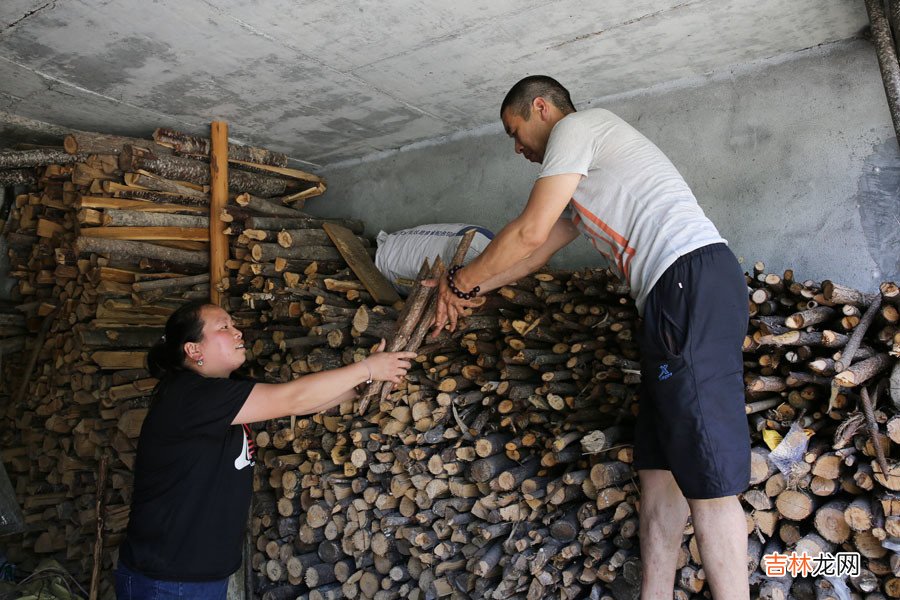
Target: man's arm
563,232
521,238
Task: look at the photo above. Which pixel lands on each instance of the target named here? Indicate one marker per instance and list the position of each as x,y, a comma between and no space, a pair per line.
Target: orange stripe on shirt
624,265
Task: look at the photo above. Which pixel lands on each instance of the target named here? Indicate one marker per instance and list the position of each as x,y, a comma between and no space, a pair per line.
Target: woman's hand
388,366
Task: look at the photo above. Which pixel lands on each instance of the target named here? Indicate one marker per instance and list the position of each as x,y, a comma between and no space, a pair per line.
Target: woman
192,481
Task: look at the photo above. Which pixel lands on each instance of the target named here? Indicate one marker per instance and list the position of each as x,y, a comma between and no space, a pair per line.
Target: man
604,179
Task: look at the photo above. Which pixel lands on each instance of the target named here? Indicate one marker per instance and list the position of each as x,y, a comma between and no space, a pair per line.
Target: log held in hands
415,317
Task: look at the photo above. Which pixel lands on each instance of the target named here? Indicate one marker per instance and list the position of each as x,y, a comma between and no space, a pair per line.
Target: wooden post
218,241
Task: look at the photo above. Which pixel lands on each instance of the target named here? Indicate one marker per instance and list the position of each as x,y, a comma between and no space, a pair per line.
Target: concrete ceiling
330,80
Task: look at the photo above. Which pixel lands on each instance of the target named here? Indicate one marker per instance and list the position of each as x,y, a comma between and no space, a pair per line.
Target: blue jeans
131,585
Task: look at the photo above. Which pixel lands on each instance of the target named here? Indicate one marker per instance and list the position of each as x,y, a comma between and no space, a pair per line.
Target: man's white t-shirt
632,203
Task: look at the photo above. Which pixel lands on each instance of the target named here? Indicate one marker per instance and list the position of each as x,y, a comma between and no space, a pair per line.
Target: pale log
359,261
138,218
145,179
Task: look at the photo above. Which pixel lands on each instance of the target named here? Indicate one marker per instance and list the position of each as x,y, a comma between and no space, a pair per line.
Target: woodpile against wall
104,247
501,468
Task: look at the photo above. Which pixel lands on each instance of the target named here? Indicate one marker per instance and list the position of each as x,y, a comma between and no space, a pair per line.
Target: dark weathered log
183,143
860,372
269,252
17,177
265,206
887,58
170,283
406,323
12,344
163,198
133,158
856,339
138,250
302,222
34,158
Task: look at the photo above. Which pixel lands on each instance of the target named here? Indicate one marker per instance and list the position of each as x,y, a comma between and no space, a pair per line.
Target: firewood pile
111,237
501,468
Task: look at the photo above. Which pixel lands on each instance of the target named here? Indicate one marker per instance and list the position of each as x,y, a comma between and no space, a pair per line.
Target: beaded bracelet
459,293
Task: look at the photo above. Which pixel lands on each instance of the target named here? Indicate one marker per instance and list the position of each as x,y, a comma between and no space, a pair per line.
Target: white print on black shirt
248,451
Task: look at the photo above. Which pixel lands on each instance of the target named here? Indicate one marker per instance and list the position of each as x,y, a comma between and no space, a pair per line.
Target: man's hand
449,306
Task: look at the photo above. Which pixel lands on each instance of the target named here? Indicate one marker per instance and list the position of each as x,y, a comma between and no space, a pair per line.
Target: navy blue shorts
131,585
691,418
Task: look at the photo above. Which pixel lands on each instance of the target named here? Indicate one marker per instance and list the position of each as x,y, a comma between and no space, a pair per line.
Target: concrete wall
794,159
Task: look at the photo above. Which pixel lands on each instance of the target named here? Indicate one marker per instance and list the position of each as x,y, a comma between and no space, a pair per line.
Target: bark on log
137,250
86,142
138,218
183,143
133,158
35,158
887,59
10,177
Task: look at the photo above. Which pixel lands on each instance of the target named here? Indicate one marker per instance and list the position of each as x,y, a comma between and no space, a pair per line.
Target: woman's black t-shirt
192,481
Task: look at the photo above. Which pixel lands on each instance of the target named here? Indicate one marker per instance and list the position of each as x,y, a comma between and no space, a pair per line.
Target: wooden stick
872,427
170,283
32,358
98,542
424,322
409,317
887,59
858,333
218,241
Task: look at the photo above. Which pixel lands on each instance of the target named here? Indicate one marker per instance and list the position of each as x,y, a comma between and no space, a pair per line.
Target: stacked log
495,470
501,468
104,248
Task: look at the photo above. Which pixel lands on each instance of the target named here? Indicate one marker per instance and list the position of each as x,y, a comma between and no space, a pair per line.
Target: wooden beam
358,259
218,241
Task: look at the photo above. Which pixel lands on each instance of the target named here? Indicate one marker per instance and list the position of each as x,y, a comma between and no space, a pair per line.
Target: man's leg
664,512
721,529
